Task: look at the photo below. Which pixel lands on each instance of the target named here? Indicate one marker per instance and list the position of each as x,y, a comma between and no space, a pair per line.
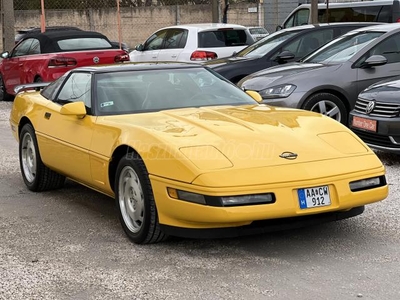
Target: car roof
135,66
207,26
335,24
386,27
48,39
38,29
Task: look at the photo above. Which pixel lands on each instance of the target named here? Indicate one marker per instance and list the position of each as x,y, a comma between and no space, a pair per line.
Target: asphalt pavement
68,244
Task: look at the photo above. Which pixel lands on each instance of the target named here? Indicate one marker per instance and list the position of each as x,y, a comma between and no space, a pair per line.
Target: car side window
35,47
389,48
22,48
77,88
308,42
175,39
155,42
301,17
313,40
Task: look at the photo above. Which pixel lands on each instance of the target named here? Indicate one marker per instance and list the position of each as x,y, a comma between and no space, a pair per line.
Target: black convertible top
48,40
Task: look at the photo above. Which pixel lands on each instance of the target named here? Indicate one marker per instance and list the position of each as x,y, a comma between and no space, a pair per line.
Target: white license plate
314,197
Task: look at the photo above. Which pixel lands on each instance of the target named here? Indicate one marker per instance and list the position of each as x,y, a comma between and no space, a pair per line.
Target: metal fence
132,20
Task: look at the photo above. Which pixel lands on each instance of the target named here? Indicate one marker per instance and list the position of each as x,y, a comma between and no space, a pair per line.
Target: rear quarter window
83,44
223,38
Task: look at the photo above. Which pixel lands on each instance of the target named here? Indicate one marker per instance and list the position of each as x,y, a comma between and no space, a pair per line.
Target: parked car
280,47
34,30
193,42
376,116
258,32
329,80
185,152
386,11
46,56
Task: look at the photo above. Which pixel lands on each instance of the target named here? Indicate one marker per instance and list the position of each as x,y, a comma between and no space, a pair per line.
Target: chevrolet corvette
184,152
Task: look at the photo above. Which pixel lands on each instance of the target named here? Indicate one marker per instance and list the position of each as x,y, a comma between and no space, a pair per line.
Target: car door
151,47
174,43
67,138
13,64
389,48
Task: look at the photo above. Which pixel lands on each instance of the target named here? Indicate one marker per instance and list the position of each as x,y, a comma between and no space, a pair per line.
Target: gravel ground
68,244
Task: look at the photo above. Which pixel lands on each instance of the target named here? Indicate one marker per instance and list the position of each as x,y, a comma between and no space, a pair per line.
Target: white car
193,43
258,33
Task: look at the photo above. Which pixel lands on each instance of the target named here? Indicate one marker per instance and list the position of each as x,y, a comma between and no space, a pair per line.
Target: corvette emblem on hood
288,155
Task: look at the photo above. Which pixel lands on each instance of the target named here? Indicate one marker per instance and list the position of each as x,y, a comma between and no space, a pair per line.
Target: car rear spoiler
37,86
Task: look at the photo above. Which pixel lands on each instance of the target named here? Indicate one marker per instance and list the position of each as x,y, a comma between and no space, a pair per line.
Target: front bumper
387,134
174,214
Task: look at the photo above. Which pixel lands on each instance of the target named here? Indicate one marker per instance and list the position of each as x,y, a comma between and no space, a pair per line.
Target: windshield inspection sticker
108,103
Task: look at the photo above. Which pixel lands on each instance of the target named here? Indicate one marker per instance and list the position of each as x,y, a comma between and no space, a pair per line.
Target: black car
376,116
34,30
278,48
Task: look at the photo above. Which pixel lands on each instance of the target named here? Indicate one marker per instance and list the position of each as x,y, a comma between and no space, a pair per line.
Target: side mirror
5,54
279,27
374,61
284,56
74,109
139,47
256,96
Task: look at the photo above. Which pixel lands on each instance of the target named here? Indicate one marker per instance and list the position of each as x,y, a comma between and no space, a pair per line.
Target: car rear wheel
327,104
4,96
36,175
135,201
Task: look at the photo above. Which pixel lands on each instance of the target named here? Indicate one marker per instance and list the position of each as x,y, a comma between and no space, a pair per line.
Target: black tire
36,175
329,105
135,203
4,96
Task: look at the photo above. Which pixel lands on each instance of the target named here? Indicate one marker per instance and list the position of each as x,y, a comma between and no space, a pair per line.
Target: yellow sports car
184,152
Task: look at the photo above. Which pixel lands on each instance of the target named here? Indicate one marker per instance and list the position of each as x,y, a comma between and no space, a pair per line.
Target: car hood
290,72
241,137
383,91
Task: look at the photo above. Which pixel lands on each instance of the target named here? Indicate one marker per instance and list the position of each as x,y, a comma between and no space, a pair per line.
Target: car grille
381,109
375,139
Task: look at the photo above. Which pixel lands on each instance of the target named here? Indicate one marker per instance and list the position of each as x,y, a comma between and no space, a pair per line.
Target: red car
46,56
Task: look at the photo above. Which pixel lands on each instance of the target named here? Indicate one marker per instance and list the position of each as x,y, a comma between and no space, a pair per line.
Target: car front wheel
135,201
36,175
327,104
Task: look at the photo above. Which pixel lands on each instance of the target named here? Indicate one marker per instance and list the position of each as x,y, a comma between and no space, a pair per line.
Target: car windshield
153,90
265,45
343,48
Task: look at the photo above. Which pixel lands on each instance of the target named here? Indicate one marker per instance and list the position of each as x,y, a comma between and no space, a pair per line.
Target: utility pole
215,11
314,11
8,24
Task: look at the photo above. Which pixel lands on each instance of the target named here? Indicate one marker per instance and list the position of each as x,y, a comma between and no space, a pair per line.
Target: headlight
221,201
366,184
279,91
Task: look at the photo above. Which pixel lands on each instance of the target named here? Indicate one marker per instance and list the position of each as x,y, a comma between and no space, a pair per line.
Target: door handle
21,64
